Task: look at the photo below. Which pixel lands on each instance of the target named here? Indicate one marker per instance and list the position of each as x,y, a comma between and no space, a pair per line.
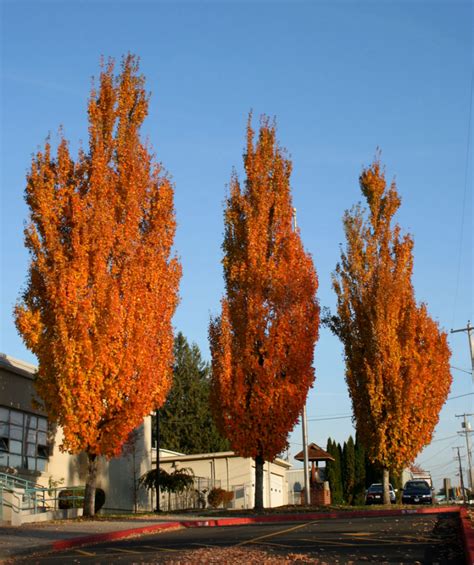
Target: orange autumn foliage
262,344
102,285
397,359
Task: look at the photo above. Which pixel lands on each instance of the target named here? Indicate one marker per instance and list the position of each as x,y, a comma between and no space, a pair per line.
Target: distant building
414,472
231,472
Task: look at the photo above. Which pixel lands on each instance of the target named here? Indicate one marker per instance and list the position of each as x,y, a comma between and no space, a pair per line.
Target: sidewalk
46,536
55,536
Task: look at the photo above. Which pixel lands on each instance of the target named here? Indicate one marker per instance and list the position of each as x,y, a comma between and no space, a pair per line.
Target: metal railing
13,481
26,497
194,497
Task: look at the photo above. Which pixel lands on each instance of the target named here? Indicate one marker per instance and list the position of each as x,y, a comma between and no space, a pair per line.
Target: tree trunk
89,494
386,489
259,462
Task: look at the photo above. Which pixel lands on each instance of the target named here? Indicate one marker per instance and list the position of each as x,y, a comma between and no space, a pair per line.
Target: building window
23,440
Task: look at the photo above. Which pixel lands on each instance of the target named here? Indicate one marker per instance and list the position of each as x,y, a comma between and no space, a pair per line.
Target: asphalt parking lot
427,539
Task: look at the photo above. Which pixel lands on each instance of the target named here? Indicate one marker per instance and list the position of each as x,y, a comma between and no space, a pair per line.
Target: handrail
16,482
33,498
45,498
15,507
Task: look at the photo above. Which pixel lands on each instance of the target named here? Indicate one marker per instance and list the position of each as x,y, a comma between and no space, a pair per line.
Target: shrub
218,496
178,481
68,499
99,499
74,498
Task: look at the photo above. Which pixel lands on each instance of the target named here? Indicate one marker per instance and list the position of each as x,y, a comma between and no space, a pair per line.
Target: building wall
24,435
295,478
16,384
236,474
50,466
115,476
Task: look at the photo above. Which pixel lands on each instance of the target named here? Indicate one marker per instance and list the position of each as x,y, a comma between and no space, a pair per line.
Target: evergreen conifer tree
333,472
348,470
359,482
186,422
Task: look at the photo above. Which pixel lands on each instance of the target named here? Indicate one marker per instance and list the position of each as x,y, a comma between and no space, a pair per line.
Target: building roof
16,366
315,453
216,455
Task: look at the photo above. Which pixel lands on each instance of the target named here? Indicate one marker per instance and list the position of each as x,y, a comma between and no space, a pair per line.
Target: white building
232,473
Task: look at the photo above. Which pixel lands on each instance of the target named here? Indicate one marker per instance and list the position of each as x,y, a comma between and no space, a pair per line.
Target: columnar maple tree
262,343
103,284
397,358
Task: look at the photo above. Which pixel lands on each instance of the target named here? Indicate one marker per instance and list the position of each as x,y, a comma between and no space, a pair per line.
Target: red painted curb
317,516
468,536
109,536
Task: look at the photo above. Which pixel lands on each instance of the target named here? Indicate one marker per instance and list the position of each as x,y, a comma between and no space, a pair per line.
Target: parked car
417,492
374,494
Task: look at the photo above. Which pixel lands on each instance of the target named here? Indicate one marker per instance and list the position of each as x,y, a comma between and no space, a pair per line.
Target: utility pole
157,477
466,431
460,474
470,336
304,426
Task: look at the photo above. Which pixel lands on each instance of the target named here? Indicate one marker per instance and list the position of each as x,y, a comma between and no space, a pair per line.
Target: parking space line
210,545
272,543
274,534
120,550
402,540
87,553
419,539
323,541
159,548
370,537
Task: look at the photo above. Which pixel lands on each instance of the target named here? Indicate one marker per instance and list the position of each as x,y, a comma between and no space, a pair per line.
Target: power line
422,464
444,438
460,396
329,418
464,199
441,474
443,465
459,369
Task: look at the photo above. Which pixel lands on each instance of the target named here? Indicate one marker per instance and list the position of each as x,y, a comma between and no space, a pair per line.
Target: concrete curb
61,545
467,535
110,536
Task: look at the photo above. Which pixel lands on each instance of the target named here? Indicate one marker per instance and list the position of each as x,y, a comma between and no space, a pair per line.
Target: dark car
417,492
374,494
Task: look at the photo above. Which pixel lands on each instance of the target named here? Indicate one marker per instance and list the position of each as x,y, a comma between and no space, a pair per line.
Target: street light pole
157,476
304,426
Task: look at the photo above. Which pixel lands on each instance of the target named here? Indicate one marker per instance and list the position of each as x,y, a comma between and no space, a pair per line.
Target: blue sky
342,78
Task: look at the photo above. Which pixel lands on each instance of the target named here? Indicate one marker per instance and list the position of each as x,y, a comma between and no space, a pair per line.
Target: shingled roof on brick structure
315,453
